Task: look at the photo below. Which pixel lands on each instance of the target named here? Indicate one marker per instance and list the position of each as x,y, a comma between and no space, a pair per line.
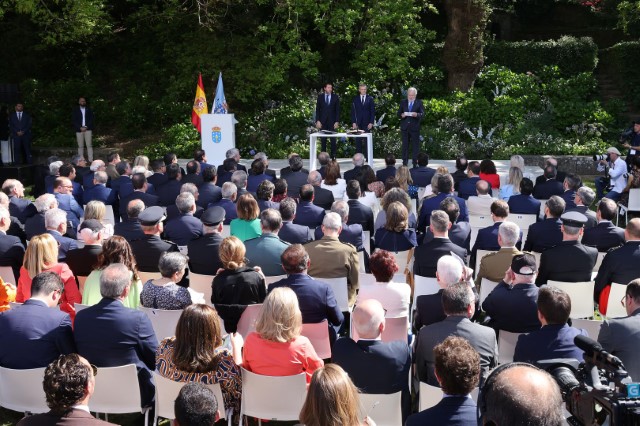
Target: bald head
632,231
314,178
368,319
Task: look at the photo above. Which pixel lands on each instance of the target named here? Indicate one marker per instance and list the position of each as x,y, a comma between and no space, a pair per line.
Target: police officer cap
575,219
213,216
152,215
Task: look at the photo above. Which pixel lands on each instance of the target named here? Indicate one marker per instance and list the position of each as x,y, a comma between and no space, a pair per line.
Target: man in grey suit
620,336
265,251
458,302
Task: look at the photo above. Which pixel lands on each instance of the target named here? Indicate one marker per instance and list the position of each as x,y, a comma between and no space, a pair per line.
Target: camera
600,157
598,391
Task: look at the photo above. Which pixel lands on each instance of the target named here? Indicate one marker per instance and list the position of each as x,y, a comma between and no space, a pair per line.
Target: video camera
598,391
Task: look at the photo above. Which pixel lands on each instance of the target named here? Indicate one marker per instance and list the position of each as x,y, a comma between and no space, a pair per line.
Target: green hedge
623,61
570,54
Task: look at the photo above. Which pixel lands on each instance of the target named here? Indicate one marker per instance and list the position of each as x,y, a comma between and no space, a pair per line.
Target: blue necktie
327,99
410,106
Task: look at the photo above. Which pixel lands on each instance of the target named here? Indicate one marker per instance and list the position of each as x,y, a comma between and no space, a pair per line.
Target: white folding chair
273,279
340,290
524,221
479,255
318,335
81,281
361,267
226,231
632,206
163,321
384,409
6,273
402,260
395,329
599,259
167,391
271,397
429,396
581,295
21,390
424,285
247,321
146,276
486,287
543,205
507,346
477,222
117,391
414,207
614,307
538,256
591,326
109,216
367,241
202,284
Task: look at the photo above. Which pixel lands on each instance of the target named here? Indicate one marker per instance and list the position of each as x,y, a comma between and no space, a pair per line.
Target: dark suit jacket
569,261
410,123
427,255
363,114
309,214
395,241
361,214
100,193
433,203
524,204
429,310
11,253
316,298
383,174
451,411
16,229
33,335
233,290
269,172
130,229
157,179
285,171
459,234
513,308
295,180
35,225
559,177
65,244
76,118
109,335
619,337
591,216
194,179
422,176
295,234
351,234
75,418
122,187
322,197
544,190
467,187
183,229
208,193
568,197
229,208
148,200
21,208
87,180
23,125
551,341
82,261
328,114
174,213
265,204
148,250
168,192
543,235
238,167
487,239
618,266
604,236
253,181
203,254
351,174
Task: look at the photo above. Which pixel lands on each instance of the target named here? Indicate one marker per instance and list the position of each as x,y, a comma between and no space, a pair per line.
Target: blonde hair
95,210
332,399
517,161
280,319
141,160
515,177
397,217
232,252
247,207
403,176
41,254
442,170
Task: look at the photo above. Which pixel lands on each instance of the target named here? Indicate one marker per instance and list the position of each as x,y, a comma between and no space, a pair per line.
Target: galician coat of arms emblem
216,134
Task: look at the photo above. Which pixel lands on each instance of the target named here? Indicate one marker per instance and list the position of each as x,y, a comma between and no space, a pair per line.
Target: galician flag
199,104
219,103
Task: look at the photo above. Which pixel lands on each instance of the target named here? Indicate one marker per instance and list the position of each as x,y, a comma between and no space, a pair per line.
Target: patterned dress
169,296
227,374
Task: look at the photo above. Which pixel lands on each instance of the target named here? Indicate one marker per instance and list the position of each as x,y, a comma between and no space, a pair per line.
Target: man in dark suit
173,211
307,213
391,361
193,174
209,191
445,189
511,306
620,265
66,202
36,333
605,235
168,192
229,196
122,185
546,233
323,159
131,229
560,175
422,174
140,186
460,174
620,336
185,227
524,203
457,369
264,195
550,186
297,177
287,170
96,165
109,334
410,114
79,163
150,248
11,248
487,238
460,232
569,261
265,251
56,222
321,197
82,119
20,128
458,301
291,232
35,225
467,188
583,198
351,234
233,154
159,176
358,212
19,206
570,185
257,175
67,170
99,191
328,115
390,169
82,261
555,338
363,114
267,171
427,255
358,161
203,251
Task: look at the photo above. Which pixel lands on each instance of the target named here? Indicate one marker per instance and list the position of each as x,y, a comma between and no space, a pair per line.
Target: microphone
593,349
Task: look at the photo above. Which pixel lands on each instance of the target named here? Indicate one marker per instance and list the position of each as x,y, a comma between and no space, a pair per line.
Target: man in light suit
82,120
391,361
363,114
410,114
620,336
460,232
328,115
480,203
308,214
494,265
605,235
458,301
457,369
56,222
427,255
265,251
109,334
36,333
291,232
20,127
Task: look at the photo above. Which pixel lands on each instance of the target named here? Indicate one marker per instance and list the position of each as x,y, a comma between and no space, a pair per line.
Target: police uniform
203,252
149,248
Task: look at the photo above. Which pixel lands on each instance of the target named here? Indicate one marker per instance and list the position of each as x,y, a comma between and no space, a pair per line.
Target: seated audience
16,228
130,228
494,265
264,194
366,197
203,251
56,222
98,210
479,204
36,333
351,234
193,174
257,175
209,191
169,190
422,174
19,206
392,195
66,202
159,170
549,185
489,173
605,235
174,212
140,192
426,255
358,163
403,176
394,297
265,251
460,232
68,170
467,187
307,213
487,238
151,247
263,157
237,285
247,225
295,176
332,181
547,233
460,174
11,249
143,161
633,181
165,293
513,184
96,165
196,405
35,225
276,348
359,213
227,202
396,235
583,199
524,203
99,190
570,185
445,189
83,260
185,227
291,232
321,197
372,183
280,190
389,170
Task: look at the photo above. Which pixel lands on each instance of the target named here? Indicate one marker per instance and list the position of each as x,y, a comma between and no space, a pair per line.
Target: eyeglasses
623,302
94,370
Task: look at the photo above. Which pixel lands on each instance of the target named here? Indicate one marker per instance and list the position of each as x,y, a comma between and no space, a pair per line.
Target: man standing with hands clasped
410,113
83,125
363,114
328,115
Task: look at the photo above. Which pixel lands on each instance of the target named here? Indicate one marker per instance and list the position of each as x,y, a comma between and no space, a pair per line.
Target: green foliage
623,60
182,139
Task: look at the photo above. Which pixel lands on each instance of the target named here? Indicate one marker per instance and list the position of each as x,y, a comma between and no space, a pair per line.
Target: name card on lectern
218,135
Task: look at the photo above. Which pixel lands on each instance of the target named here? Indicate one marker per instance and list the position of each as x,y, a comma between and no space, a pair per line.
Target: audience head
434,182
91,232
239,178
488,167
5,217
68,381
474,168
139,180
458,300
323,158
445,184
526,186
247,207
508,234
295,259
233,153
390,160
151,220
190,188
572,225
134,208
280,319
100,178
632,231
295,162
440,223
572,182
54,168
517,161
461,163
281,187
229,165
423,159
169,158
198,335
265,190
403,176
331,224
270,221
554,305
368,319
209,174
482,187
56,220
368,174
123,168
314,178
358,160
186,203
78,160
607,209
288,208
46,202
585,196
67,170
141,160
451,207
632,296
158,166
213,219
13,188
196,405
523,268
306,193
229,191
457,366
113,158
332,174
499,210
62,185
341,207
390,183
95,210
550,172
115,281
232,252
397,219
395,194
448,271
258,167
353,189
174,172
48,288
117,250
193,168
515,177
172,265
555,206
97,165
383,266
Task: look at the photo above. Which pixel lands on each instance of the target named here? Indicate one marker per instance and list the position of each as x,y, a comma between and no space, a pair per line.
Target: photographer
615,169
631,139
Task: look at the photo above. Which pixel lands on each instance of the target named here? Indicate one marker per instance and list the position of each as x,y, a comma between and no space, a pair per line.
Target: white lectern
218,135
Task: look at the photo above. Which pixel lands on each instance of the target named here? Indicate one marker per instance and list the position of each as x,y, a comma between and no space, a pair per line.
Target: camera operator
631,139
615,169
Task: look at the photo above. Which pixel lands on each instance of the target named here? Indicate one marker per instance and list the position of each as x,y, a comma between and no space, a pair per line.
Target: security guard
203,252
149,248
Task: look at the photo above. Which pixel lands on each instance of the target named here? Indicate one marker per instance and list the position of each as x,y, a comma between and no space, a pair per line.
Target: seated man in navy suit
264,195
19,206
56,222
227,202
555,338
546,233
351,234
109,334
488,237
99,190
140,188
570,185
457,368
422,174
308,214
467,188
36,333
11,248
445,189
583,199
67,170
358,161
605,235
209,191
290,232
96,165
426,255
389,171
62,191
131,228
524,203
184,228
550,186
460,232
257,176
374,366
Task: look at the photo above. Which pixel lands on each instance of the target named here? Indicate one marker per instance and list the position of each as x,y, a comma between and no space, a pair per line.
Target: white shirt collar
82,407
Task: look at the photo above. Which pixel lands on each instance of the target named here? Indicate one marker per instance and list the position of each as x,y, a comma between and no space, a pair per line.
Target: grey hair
412,89
4,199
342,208
4,212
54,218
233,152
54,167
190,188
76,159
456,299
449,270
260,155
239,178
358,159
228,189
95,165
114,279
517,161
100,177
587,195
440,220
509,233
332,221
185,202
139,169
571,230
314,177
134,208
44,202
171,263
270,220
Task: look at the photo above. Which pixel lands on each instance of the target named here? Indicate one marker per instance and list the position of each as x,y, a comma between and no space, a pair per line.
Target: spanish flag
199,104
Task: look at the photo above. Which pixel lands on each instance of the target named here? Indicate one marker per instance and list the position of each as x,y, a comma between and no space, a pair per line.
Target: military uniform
331,258
150,248
494,265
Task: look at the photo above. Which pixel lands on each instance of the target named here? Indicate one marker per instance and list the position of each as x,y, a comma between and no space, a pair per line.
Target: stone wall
40,154
579,164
